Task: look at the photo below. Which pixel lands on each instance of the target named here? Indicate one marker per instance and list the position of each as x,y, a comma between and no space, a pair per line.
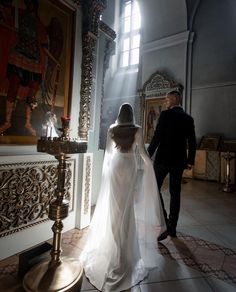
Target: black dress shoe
172,233
163,236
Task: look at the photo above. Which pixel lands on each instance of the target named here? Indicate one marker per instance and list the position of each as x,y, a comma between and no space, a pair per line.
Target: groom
174,142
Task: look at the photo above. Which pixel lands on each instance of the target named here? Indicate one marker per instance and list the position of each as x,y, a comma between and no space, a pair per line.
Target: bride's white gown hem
122,238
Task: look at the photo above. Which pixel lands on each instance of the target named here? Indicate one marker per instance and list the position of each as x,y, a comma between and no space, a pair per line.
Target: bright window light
127,25
130,33
134,56
136,41
125,59
137,22
127,9
126,44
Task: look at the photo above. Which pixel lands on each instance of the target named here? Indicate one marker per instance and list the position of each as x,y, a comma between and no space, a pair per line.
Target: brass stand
60,273
228,157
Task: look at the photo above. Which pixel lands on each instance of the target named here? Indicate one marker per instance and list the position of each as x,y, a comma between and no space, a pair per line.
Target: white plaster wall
27,238
214,110
166,55
164,38
93,141
162,18
214,68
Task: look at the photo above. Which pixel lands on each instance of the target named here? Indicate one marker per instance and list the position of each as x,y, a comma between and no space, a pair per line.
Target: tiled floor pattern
209,258
202,257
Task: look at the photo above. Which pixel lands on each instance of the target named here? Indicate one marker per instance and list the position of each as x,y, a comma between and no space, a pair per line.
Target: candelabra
59,273
228,157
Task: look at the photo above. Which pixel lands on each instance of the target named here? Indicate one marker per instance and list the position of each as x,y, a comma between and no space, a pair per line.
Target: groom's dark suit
174,134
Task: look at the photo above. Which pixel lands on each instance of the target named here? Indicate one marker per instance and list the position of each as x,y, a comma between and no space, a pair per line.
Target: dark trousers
175,177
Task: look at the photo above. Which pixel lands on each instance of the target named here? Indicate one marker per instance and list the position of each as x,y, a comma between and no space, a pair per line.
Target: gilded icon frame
55,100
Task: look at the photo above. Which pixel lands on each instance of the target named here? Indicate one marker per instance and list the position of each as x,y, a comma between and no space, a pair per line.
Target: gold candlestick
228,157
59,273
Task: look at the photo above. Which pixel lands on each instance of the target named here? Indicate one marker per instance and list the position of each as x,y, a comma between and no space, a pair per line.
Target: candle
65,122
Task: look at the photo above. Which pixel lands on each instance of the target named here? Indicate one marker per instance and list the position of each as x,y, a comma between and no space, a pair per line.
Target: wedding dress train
122,239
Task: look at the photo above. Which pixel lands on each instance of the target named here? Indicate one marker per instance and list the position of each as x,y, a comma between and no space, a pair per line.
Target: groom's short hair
177,94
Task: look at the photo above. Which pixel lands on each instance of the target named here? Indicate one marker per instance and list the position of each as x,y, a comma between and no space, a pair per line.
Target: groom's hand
189,166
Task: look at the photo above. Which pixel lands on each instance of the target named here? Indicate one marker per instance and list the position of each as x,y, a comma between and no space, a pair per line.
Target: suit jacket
174,134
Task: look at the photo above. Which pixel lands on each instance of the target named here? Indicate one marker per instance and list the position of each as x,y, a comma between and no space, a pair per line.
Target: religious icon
32,63
153,108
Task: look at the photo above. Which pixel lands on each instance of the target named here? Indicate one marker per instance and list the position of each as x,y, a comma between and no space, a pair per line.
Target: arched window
129,33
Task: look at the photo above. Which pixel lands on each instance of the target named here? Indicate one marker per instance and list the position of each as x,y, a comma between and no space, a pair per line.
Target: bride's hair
124,132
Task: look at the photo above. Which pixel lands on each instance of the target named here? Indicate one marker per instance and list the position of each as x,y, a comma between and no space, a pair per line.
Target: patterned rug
208,258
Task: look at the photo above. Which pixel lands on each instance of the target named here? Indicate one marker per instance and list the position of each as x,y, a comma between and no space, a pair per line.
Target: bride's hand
147,161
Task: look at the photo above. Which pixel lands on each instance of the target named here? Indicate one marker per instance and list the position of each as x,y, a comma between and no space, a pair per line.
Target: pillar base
66,275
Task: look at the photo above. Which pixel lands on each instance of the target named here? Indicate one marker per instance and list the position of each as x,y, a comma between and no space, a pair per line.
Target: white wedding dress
122,238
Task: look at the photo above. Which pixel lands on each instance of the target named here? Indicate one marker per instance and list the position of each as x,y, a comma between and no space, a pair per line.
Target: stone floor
202,257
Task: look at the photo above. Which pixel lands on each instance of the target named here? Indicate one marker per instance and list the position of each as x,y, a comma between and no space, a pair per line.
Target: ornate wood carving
87,184
26,190
89,42
156,86
91,13
109,49
110,33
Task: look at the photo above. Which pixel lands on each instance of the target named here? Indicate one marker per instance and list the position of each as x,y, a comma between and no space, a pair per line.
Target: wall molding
170,41
214,85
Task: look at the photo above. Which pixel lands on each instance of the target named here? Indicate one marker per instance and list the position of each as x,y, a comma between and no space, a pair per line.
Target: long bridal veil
122,238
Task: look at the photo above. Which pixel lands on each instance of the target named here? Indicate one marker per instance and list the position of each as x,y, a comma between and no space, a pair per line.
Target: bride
122,239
